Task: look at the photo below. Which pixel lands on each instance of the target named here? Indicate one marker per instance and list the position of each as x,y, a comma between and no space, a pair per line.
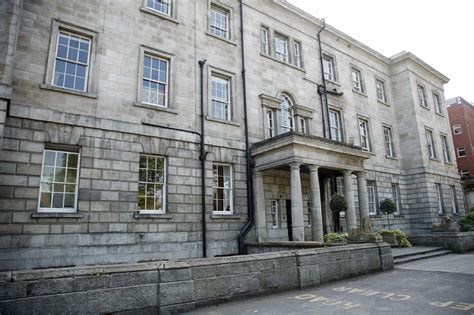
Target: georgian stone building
101,123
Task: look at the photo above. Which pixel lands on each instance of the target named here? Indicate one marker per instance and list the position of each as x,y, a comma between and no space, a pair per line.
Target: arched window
286,114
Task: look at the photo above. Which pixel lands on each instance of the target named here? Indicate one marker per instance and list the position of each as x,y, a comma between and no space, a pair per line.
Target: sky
439,32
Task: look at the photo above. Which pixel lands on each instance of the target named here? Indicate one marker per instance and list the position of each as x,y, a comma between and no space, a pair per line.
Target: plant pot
391,239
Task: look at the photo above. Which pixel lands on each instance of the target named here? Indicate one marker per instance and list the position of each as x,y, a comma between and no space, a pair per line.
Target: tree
338,203
387,206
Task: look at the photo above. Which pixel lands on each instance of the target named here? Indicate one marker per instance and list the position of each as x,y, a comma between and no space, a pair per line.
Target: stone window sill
216,216
222,121
282,62
163,216
398,216
158,14
63,90
425,107
440,114
229,41
156,107
435,159
39,215
391,158
332,82
359,93
384,103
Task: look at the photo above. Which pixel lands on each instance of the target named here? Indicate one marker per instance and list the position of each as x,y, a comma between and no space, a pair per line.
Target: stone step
419,256
415,251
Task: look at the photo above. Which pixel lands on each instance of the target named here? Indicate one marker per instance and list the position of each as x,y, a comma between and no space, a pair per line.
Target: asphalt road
441,285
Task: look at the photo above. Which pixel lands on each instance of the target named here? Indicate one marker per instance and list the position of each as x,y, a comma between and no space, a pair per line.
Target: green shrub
467,223
401,236
387,206
335,237
338,203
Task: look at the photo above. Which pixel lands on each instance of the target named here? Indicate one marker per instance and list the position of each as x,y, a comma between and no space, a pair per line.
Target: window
71,65
396,197
303,128
275,214
162,6
372,196
281,47
335,125
297,54
152,184
286,115
59,181
454,202
388,140
364,134
380,88
446,150
219,22
457,129
270,124
430,143
155,81
461,152
464,173
308,214
264,40
329,68
220,97
357,82
222,190
422,96
340,190
437,103
439,199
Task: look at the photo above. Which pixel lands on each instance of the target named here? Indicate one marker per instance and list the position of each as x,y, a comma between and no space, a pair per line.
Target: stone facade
110,126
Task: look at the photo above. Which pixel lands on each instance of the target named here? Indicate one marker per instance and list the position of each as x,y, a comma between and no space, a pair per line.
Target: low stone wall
459,242
182,285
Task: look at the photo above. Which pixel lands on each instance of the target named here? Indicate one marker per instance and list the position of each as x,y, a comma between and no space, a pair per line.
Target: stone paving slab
453,263
399,251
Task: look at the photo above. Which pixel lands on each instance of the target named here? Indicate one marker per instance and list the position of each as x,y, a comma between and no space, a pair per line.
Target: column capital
361,174
313,168
295,165
258,174
347,172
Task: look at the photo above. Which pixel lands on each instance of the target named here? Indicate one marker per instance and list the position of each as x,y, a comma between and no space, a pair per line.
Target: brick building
104,158
461,119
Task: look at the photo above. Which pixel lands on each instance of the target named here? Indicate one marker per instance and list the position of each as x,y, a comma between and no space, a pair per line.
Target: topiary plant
387,206
338,203
467,223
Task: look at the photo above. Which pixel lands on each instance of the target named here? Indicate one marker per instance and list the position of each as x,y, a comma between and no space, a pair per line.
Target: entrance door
288,220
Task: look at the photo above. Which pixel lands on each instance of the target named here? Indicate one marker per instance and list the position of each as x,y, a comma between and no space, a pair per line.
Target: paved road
442,285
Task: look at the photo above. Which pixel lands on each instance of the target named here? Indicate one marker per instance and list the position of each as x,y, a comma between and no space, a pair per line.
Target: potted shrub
335,238
467,223
396,238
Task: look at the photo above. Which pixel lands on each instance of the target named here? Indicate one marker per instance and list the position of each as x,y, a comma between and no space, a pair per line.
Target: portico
315,157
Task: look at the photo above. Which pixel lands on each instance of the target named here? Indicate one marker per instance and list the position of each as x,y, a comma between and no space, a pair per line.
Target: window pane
69,200
58,200
45,200
60,175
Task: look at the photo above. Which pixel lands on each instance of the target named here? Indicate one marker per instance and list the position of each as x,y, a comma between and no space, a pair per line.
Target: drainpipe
250,209
202,158
322,88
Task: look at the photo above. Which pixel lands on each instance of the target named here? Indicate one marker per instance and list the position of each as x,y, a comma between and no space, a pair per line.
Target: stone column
296,203
363,196
260,213
351,220
316,211
327,209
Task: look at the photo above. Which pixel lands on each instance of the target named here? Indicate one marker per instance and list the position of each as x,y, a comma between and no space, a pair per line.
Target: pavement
439,285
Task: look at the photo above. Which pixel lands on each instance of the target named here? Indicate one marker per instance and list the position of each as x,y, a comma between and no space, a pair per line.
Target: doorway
288,219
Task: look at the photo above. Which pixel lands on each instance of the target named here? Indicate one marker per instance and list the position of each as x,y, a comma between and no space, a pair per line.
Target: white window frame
155,2
215,77
302,125
437,103
388,141
335,125
264,40
231,190
287,122
297,54
164,185
284,55
431,144
454,201
446,149
464,173
439,198
357,80
156,81
42,181
421,91
459,150
329,68
372,191
457,129
275,213
364,134
217,30
380,90
270,123
396,197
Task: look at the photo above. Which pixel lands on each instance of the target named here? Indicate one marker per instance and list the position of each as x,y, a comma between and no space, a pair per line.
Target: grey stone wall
459,242
181,286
